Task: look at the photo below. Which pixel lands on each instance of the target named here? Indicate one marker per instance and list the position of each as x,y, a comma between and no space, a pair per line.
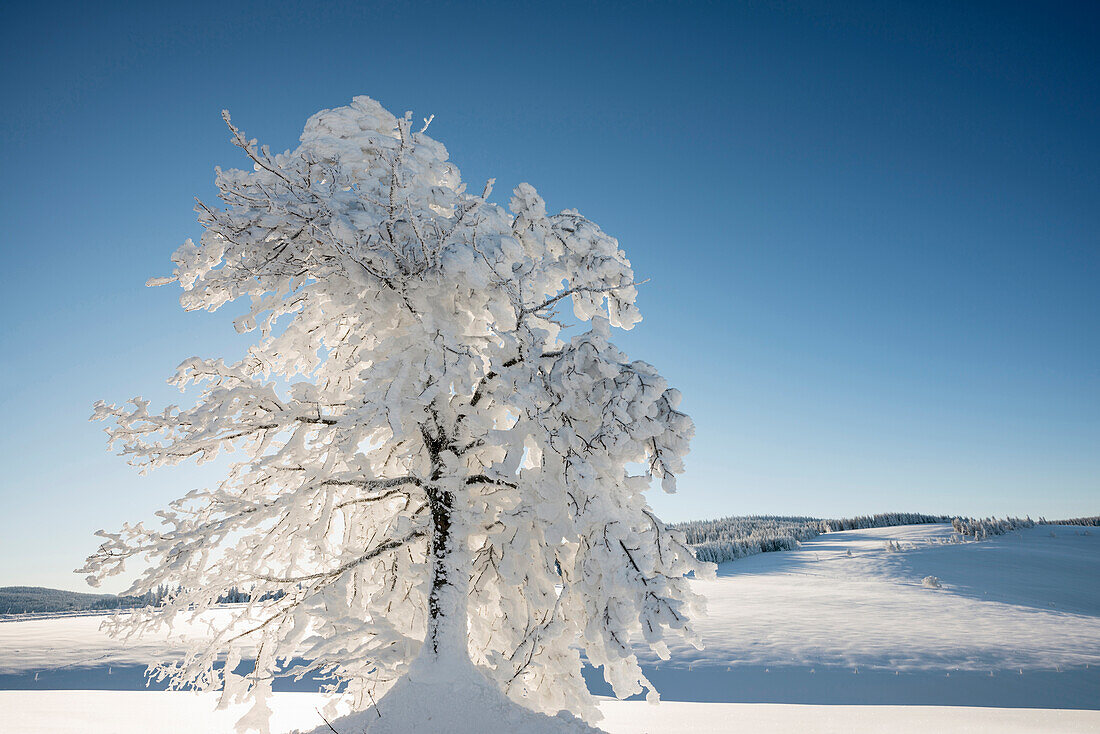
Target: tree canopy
428,463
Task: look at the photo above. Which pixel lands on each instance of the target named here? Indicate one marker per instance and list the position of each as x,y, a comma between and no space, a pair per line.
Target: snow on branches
427,465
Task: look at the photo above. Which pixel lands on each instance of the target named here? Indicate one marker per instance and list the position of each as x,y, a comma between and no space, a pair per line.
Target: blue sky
873,234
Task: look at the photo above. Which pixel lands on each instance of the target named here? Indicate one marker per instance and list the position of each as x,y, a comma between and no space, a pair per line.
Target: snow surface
1022,600
450,696
1013,633
131,712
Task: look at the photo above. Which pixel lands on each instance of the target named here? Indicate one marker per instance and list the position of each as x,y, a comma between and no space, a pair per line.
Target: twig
374,703
330,726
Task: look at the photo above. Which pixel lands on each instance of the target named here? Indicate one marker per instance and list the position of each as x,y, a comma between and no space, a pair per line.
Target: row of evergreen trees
235,595
882,520
39,600
1090,522
239,596
730,538
993,526
978,529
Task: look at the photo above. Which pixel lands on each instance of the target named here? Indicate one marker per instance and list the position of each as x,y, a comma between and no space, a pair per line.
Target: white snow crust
131,712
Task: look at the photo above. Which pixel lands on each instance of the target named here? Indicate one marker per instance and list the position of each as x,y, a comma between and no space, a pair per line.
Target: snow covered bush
931,582
433,475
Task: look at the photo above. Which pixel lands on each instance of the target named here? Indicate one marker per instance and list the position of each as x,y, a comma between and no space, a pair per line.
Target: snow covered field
130,712
1024,599
839,636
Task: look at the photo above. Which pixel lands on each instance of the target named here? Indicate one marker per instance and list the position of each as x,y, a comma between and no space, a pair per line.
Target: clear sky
872,233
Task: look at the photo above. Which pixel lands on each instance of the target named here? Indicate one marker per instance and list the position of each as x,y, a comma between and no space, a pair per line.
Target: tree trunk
447,601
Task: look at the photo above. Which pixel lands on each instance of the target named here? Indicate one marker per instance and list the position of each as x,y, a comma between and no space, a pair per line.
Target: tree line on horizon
718,540
42,600
730,538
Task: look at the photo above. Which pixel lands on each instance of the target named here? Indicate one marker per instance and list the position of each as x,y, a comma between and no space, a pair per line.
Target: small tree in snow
433,477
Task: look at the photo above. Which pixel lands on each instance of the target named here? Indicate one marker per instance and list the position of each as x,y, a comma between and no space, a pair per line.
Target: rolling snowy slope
1024,599
846,620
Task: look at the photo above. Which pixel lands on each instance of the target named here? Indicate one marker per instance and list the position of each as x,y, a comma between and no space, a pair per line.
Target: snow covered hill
1014,624
1023,599
847,619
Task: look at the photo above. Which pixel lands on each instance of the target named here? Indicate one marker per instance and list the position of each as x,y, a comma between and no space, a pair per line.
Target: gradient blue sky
872,231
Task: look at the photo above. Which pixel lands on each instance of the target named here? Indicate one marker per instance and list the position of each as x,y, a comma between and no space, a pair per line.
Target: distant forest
730,538
24,599
40,600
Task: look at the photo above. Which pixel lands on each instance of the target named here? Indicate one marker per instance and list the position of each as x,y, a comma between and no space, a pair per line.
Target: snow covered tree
440,493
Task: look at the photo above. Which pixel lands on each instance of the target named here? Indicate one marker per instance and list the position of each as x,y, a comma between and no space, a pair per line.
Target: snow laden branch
427,469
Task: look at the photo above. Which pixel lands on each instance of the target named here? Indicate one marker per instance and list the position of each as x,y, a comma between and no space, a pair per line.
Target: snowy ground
130,712
839,636
1022,599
